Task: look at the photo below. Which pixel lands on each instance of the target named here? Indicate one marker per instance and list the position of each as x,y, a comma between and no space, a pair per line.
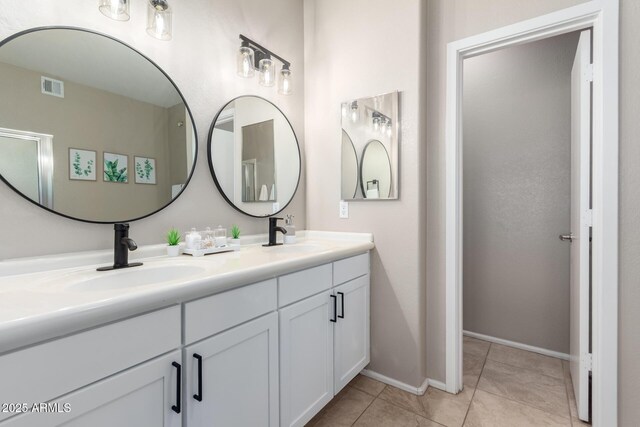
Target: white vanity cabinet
231,358
324,338
88,380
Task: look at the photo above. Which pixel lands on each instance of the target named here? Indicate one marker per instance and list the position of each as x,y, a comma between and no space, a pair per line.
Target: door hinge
589,73
588,361
588,217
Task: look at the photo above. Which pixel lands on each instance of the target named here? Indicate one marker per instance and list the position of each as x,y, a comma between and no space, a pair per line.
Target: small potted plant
173,242
235,235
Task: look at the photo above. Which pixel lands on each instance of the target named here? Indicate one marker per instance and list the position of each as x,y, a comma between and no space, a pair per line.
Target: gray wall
356,49
201,59
450,20
517,189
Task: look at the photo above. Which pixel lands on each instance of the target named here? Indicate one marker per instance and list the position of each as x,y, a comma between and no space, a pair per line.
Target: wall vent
52,87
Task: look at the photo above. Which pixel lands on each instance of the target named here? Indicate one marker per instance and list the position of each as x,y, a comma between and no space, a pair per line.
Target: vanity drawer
350,268
208,316
299,285
46,371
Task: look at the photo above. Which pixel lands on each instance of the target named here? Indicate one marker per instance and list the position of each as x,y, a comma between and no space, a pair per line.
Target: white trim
602,16
397,384
437,384
519,345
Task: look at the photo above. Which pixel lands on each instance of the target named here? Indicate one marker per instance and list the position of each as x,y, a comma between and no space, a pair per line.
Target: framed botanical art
82,164
145,169
116,168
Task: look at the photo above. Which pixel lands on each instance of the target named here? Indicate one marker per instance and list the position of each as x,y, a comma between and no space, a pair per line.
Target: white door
581,78
306,358
351,331
144,396
232,377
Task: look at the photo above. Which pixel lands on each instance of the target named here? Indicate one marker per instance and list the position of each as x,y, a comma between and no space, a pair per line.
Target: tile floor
503,387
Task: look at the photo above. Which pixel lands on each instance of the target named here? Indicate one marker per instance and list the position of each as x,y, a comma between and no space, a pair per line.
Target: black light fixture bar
262,52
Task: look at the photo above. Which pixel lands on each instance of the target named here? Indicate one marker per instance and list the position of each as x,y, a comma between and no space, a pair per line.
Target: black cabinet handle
176,408
198,395
335,308
341,304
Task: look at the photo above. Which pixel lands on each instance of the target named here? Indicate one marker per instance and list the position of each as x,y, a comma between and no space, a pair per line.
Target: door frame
602,17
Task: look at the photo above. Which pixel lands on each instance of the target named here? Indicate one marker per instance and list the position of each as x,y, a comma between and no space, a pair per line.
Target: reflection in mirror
375,171
90,128
254,156
349,168
371,125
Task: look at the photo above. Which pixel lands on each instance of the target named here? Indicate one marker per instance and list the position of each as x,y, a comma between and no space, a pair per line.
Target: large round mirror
349,168
375,171
254,156
90,128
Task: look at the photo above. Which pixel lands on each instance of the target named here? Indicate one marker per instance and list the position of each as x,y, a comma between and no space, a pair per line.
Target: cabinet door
143,396
306,358
232,377
351,333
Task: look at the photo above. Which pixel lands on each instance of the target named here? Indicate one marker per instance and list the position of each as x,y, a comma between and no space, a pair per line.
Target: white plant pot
173,250
235,242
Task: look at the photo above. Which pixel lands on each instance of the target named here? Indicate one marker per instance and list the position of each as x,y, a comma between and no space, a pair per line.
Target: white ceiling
91,60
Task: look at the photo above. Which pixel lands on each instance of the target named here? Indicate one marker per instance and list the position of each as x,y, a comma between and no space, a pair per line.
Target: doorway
602,17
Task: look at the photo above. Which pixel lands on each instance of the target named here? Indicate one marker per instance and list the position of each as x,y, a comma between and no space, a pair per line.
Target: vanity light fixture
381,123
159,15
252,56
115,9
376,122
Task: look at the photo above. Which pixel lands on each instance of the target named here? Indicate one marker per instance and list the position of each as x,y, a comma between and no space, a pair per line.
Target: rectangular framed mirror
370,138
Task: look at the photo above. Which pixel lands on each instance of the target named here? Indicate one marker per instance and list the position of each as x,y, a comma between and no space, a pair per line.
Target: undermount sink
137,276
295,248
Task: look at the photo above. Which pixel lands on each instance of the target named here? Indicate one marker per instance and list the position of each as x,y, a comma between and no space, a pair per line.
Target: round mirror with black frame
254,156
90,128
375,171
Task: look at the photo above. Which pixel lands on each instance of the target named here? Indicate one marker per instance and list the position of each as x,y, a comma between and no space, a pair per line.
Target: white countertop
45,304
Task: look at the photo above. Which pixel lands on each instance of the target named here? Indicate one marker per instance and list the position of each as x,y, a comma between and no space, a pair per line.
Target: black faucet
121,247
273,228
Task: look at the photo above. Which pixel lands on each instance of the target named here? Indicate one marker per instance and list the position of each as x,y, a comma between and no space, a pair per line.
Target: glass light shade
115,9
284,82
354,112
267,72
388,128
159,20
245,62
376,124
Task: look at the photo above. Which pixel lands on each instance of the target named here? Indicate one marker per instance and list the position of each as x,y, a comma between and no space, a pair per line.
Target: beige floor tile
475,347
472,369
345,411
526,386
525,359
383,414
488,410
403,399
445,408
368,385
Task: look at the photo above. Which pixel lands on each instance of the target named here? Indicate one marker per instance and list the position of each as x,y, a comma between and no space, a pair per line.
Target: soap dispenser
290,237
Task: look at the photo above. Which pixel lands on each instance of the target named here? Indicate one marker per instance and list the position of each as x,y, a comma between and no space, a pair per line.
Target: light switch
344,209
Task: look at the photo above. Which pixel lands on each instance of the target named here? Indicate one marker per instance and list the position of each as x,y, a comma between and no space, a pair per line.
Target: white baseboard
437,384
397,384
514,344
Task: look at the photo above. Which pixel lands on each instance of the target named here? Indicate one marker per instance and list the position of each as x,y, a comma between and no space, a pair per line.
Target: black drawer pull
176,408
198,395
341,304
335,308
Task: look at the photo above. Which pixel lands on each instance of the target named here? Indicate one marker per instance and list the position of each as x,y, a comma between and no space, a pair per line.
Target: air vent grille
52,87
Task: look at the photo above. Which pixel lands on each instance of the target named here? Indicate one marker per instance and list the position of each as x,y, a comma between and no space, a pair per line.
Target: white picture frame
82,164
144,169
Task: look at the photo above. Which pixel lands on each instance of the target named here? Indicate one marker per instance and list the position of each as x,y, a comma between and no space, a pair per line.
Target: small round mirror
375,171
254,156
349,168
